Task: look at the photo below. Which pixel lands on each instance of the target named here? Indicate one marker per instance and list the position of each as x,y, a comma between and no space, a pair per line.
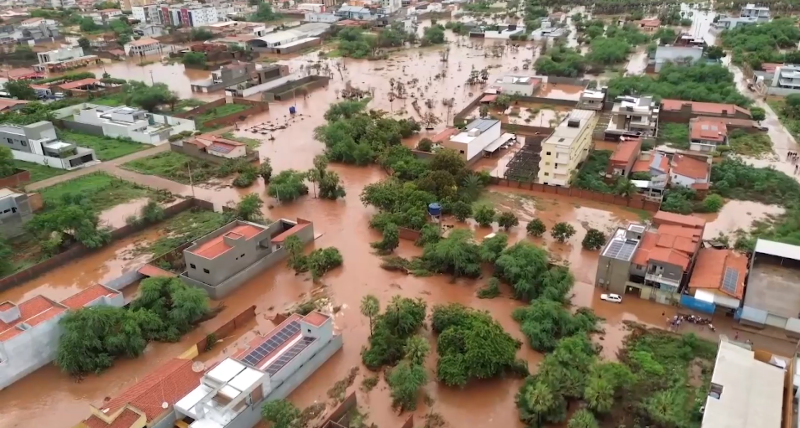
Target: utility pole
152,80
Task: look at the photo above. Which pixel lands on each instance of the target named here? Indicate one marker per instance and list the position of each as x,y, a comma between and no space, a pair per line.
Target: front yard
106,148
175,166
103,191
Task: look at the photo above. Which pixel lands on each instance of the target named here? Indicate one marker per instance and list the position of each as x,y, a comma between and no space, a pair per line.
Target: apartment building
592,99
143,47
223,260
566,148
148,14
232,393
759,13
29,331
706,134
64,58
633,117
655,263
189,14
124,122
470,144
38,143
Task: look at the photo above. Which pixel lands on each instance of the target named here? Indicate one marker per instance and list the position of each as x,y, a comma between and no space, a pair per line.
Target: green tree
582,419
390,241
448,160
713,203
265,170
433,35
7,167
149,97
249,208
294,251
484,214
758,113
71,215
6,258
20,89
425,145
429,234
715,52
370,308
403,317
405,382
536,228
625,187
288,185
417,348
491,290
330,186
281,413
88,25
491,248
194,58
461,210
152,212
323,260
599,395
523,265
507,220
264,13
538,403
562,231
607,51
594,240
544,322
84,43
457,254
177,306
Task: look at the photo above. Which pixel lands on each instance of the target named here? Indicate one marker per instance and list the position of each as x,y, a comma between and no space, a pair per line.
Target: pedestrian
795,169
736,336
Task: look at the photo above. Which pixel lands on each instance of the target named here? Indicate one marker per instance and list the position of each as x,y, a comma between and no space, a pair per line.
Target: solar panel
272,343
729,280
287,356
620,250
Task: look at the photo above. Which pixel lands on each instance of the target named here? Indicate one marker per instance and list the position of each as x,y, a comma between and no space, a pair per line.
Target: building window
206,271
461,151
546,174
242,256
548,153
308,330
547,163
192,266
24,144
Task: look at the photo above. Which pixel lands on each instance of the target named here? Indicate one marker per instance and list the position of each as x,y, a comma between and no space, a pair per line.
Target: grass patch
675,135
187,104
39,172
251,143
793,125
754,144
173,166
113,100
102,190
590,176
184,227
220,111
106,148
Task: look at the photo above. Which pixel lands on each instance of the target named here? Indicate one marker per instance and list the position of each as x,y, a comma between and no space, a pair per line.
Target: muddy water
737,215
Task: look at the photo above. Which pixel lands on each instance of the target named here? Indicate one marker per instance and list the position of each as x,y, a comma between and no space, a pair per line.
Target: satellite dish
164,405
198,366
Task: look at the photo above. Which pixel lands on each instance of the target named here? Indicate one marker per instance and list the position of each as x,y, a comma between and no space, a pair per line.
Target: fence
17,179
78,250
637,201
239,320
255,108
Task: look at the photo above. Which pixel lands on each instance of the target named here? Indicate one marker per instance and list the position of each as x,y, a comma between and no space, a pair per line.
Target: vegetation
288,185
96,191
590,176
249,208
562,231
106,148
788,110
217,112
38,172
561,61
182,168
491,290
675,135
749,144
491,247
433,35
264,13
594,240
462,210
93,337
756,44
507,220
484,214
20,89
280,413
184,227
318,262
402,319
406,380
390,241
197,59
472,345
536,228
699,82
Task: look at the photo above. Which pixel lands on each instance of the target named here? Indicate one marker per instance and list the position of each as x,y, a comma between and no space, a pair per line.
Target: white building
760,13
60,55
391,6
750,14
327,18
191,15
515,84
690,172
143,47
101,17
745,392
785,80
479,134
148,14
633,117
38,143
231,394
64,4
677,54
126,122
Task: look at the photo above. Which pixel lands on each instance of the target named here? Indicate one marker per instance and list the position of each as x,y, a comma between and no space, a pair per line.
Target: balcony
657,277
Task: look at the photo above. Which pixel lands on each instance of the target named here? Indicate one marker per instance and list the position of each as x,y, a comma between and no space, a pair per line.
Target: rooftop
88,295
654,22
626,151
217,246
722,270
289,232
704,108
166,384
708,129
78,83
670,244
7,103
619,247
664,217
777,249
21,73
445,135
481,125
31,312
144,41
564,134
690,167
518,80
265,352
657,161
751,391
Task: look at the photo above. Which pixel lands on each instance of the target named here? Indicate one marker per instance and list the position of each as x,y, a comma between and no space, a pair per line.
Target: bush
288,185
536,228
491,290
491,248
425,145
484,215
594,240
390,241
461,210
152,212
402,318
562,231
323,260
265,170
713,203
507,220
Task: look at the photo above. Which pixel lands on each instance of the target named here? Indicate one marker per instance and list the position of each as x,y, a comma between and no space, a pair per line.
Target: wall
29,351
81,127
781,92
239,320
636,202
192,150
612,274
289,89
58,163
19,178
78,250
409,234
255,108
124,280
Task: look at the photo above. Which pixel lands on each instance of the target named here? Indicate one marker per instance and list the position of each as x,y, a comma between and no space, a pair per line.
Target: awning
496,144
753,315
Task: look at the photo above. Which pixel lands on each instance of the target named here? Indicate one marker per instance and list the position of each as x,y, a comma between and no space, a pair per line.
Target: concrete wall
124,280
612,274
59,163
781,92
29,351
192,150
17,179
295,88
82,127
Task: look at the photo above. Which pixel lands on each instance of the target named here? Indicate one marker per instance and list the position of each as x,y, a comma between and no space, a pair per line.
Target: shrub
594,240
484,215
536,228
562,231
425,145
491,290
461,210
713,203
507,220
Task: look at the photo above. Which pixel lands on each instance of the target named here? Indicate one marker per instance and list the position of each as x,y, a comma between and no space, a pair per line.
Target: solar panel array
272,343
287,356
620,250
729,280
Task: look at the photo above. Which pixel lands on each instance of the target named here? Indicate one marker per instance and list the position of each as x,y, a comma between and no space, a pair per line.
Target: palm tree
540,401
417,348
471,186
625,187
582,419
370,307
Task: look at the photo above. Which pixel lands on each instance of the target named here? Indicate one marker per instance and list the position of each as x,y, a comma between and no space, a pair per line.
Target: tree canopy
402,318
544,322
756,44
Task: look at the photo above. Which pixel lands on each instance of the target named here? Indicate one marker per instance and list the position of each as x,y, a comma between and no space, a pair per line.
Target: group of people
675,322
792,157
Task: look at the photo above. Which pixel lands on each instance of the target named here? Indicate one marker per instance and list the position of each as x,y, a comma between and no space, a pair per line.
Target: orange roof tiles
209,139
445,135
690,167
315,318
6,103
770,67
670,244
22,73
86,296
126,419
709,270
291,231
709,129
78,83
168,383
216,246
144,41
626,151
6,306
667,218
706,108
33,311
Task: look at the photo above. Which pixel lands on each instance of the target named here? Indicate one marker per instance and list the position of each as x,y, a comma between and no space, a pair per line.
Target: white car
613,298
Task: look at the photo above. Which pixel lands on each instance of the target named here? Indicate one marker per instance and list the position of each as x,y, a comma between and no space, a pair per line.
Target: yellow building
566,148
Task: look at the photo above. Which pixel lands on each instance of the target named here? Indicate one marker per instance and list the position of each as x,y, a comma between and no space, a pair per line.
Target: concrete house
706,134
750,14
772,296
15,210
624,157
213,148
38,143
470,144
232,393
29,331
653,263
63,59
718,277
123,122
223,260
239,74
566,147
632,117
592,99
143,47
656,165
785,80
520,85
688,171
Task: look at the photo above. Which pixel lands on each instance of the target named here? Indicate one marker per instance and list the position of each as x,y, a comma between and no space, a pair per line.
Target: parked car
613,298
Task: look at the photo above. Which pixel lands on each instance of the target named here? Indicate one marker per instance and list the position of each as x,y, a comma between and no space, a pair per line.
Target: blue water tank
292,110
434,209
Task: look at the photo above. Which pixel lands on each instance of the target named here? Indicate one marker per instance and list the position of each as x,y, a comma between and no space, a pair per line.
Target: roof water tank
474,132
292,110
434,209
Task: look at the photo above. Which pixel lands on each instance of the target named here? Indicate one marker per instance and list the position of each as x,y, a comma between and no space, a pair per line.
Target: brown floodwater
49,398
737,215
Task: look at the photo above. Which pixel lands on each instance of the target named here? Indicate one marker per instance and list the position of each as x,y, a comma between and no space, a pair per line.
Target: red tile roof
709,270
78,83
315,318
126,419
289,232
7,103
168,383
626,151
445,135
86,296
670,244
216,246
489,98
667,218
23,73
33,312
709,129
643,165
703,108
690,167
144,41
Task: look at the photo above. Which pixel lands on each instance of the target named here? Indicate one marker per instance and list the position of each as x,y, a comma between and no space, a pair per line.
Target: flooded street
737,215
49,398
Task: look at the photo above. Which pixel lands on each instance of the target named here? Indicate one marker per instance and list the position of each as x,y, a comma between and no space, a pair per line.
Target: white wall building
143,47
480,134
192,15
63,54
38,143
56,4
516,84
148,14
